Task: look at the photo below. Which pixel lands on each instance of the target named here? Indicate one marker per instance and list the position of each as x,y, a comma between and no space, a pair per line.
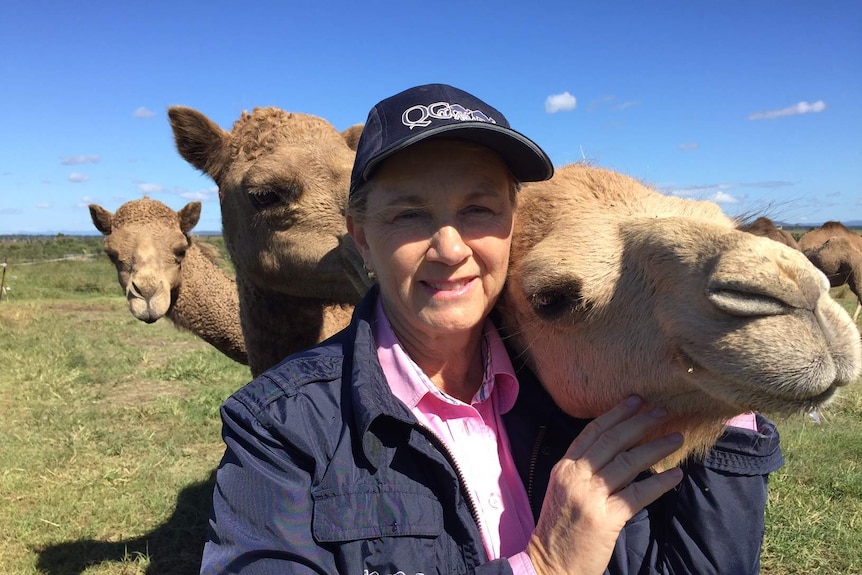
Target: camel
765,227
282,180
613,289
837,252
164,272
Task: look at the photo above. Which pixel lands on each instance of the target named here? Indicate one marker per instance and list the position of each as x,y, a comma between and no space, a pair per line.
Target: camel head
614,288
147,242
283,179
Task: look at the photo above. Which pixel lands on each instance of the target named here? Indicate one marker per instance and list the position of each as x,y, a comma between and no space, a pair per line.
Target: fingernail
675,438
658,412
633,400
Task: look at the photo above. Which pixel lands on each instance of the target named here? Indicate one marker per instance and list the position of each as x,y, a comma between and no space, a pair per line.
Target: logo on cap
421,115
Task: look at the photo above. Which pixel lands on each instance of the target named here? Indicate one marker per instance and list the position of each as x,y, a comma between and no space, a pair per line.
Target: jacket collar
380,417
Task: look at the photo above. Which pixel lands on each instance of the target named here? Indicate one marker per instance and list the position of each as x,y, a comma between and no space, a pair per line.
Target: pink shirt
475,437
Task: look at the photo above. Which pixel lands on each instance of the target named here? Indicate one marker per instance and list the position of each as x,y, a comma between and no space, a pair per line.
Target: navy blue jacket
326,472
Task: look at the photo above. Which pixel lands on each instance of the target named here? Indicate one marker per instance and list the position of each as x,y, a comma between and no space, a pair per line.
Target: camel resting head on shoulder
614,289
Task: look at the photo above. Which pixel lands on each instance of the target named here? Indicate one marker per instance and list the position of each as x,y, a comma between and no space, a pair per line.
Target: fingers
641,493
605,447
604,422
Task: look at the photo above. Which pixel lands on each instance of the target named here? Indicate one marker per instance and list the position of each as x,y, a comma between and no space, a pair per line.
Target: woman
384,449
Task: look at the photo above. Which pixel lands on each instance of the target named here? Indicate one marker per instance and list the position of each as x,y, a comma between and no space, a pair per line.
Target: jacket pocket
371,511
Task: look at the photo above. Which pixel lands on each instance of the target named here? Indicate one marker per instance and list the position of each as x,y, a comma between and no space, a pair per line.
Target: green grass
109,435
110,431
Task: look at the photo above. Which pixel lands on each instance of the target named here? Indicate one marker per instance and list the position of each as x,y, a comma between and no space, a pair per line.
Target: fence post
3,280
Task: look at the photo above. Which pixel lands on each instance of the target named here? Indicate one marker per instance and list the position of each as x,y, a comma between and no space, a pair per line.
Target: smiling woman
437,235
391,446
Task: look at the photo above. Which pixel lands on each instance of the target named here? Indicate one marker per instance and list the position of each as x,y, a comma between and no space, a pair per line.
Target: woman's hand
591,495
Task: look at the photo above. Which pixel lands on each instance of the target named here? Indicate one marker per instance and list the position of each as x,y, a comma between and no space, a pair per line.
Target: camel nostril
133,287
746,304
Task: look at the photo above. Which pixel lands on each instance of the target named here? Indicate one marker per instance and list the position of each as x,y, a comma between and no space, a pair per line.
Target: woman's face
437,232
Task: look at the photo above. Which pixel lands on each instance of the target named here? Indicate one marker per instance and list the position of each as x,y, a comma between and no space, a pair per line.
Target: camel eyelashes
555,301
267,196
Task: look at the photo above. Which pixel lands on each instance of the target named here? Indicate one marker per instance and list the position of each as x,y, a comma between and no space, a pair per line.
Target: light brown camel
837,252
282,181
614,288
765,227
165,272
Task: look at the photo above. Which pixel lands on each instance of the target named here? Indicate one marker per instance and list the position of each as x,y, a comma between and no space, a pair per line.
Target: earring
369,272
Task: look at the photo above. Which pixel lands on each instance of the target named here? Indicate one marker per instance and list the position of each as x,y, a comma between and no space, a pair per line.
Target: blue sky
755,105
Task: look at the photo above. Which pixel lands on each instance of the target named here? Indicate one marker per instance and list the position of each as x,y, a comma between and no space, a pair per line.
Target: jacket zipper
441,446
534,458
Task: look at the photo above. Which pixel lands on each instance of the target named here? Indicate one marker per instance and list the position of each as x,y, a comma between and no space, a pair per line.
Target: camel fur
282,181
164,272
837,252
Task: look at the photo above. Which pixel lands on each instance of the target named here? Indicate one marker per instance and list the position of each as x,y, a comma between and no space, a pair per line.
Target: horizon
755,107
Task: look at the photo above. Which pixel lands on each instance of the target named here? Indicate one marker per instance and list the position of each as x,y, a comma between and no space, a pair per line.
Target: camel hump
832,226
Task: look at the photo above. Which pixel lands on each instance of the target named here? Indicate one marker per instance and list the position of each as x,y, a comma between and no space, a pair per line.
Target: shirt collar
410,384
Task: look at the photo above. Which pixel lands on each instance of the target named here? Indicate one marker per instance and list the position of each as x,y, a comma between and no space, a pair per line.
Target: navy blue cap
438,110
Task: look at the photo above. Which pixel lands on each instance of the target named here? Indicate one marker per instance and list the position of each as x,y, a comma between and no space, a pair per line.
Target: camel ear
200,141
189,216
101,218
351,136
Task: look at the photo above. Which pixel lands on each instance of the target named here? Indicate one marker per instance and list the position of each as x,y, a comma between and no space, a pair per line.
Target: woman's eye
479,211
408,215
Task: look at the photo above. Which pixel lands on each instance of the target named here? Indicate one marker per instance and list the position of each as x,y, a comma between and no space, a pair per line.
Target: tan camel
283,181
765,227
614,288
837,252
165,272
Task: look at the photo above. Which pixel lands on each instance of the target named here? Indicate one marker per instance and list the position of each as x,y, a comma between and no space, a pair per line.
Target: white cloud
78,160
78,178
147,188
723,198
143,112
626,105
85,201
795,110
560,102
719,192
689,146
204,194
43,205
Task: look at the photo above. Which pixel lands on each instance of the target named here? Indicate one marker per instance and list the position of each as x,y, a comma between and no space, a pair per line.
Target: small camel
765,227
614,288
837,252
282,181
164,272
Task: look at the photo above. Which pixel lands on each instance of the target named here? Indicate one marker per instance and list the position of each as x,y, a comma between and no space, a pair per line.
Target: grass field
109,435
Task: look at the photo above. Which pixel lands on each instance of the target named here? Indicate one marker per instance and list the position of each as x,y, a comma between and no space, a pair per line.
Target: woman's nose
448,246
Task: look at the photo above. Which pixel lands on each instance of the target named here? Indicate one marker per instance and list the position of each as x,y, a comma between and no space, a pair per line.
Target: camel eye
555,301
180,252
267,196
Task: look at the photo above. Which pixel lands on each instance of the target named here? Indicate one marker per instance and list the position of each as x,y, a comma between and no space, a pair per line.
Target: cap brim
526,160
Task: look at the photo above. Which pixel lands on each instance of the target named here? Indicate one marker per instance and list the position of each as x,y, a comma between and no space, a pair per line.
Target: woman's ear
357,233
